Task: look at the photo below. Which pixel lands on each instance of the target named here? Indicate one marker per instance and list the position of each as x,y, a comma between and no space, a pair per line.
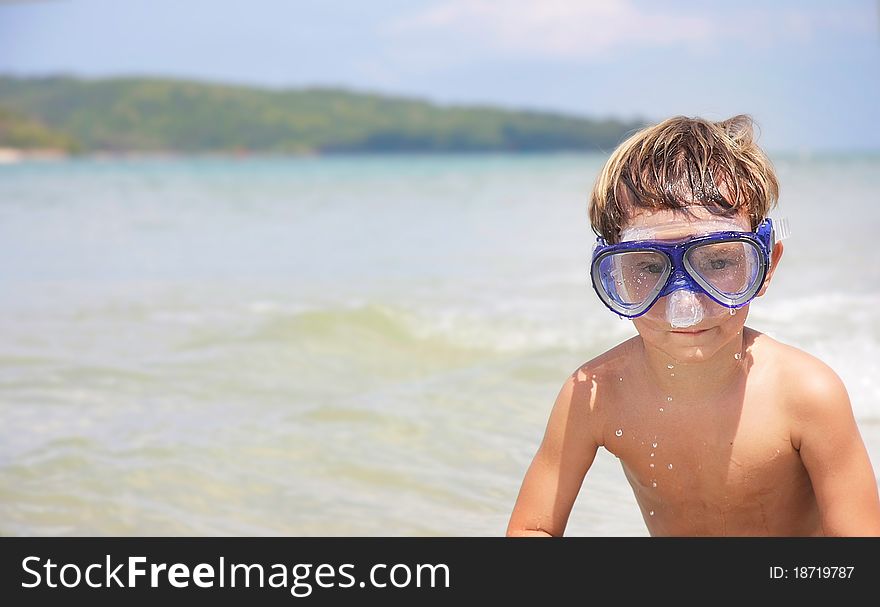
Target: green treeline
165,115
18,130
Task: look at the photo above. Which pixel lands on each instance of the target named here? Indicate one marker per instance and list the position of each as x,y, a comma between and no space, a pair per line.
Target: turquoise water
343,346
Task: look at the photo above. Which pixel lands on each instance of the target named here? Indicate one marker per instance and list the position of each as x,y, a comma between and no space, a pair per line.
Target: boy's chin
689,349
689,344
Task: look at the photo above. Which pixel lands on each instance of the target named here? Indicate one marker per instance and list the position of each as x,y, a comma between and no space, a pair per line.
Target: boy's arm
554,477
835,457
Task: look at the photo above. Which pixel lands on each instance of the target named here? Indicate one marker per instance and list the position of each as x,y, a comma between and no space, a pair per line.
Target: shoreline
10,155
16,155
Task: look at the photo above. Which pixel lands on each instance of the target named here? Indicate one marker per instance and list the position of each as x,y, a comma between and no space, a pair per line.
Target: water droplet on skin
651,513
669,399
670,366
652,455
619,432
661,409
620,378
653,483
669,466
732,312
672,375
654,445
737,356
652,465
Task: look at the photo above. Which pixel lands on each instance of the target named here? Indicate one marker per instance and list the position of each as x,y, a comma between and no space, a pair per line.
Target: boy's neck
701,379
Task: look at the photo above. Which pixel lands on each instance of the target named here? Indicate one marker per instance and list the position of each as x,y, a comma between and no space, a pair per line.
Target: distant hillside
164,115
23,132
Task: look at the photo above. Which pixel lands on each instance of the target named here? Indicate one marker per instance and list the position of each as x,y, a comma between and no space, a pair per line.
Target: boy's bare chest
719,454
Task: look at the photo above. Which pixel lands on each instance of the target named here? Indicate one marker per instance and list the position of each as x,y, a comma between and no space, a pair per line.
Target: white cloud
556,28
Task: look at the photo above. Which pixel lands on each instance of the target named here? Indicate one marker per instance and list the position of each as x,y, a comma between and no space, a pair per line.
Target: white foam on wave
801,310
515,325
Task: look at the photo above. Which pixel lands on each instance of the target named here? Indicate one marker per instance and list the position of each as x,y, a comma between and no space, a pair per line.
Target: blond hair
681,162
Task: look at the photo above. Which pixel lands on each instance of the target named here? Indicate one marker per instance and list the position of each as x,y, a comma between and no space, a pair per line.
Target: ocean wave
507,328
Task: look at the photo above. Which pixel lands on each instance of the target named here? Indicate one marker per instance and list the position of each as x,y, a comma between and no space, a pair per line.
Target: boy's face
718,326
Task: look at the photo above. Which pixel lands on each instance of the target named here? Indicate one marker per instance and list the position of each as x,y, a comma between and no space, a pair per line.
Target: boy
720,429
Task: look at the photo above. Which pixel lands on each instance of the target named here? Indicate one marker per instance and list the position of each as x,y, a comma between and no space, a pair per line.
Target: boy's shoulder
788,363
613,361
811,389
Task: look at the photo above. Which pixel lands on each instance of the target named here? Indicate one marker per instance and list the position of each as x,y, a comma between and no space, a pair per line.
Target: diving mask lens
729,270
631,280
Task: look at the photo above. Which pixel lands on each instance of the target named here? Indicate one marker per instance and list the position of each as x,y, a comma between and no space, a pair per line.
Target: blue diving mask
728,267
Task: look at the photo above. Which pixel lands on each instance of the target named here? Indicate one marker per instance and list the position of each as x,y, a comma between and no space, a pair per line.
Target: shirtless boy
720,429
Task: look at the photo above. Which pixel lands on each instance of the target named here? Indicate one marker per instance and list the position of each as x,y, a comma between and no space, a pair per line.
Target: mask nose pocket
683,308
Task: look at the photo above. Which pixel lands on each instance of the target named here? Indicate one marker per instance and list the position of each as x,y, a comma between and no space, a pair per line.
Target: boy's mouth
689,331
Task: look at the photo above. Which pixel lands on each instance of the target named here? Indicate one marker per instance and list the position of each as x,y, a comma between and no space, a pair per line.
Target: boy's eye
717,263
718,258
652,268
720,263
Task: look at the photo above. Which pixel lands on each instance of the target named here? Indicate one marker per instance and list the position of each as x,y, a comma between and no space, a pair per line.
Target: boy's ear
774,263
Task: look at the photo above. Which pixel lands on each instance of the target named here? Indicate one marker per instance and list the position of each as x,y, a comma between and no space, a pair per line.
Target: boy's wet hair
682,162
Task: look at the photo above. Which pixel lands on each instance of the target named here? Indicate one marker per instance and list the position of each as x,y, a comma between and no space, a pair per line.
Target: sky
808,72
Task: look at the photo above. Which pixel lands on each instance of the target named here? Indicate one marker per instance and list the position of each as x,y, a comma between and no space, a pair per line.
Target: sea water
346,345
